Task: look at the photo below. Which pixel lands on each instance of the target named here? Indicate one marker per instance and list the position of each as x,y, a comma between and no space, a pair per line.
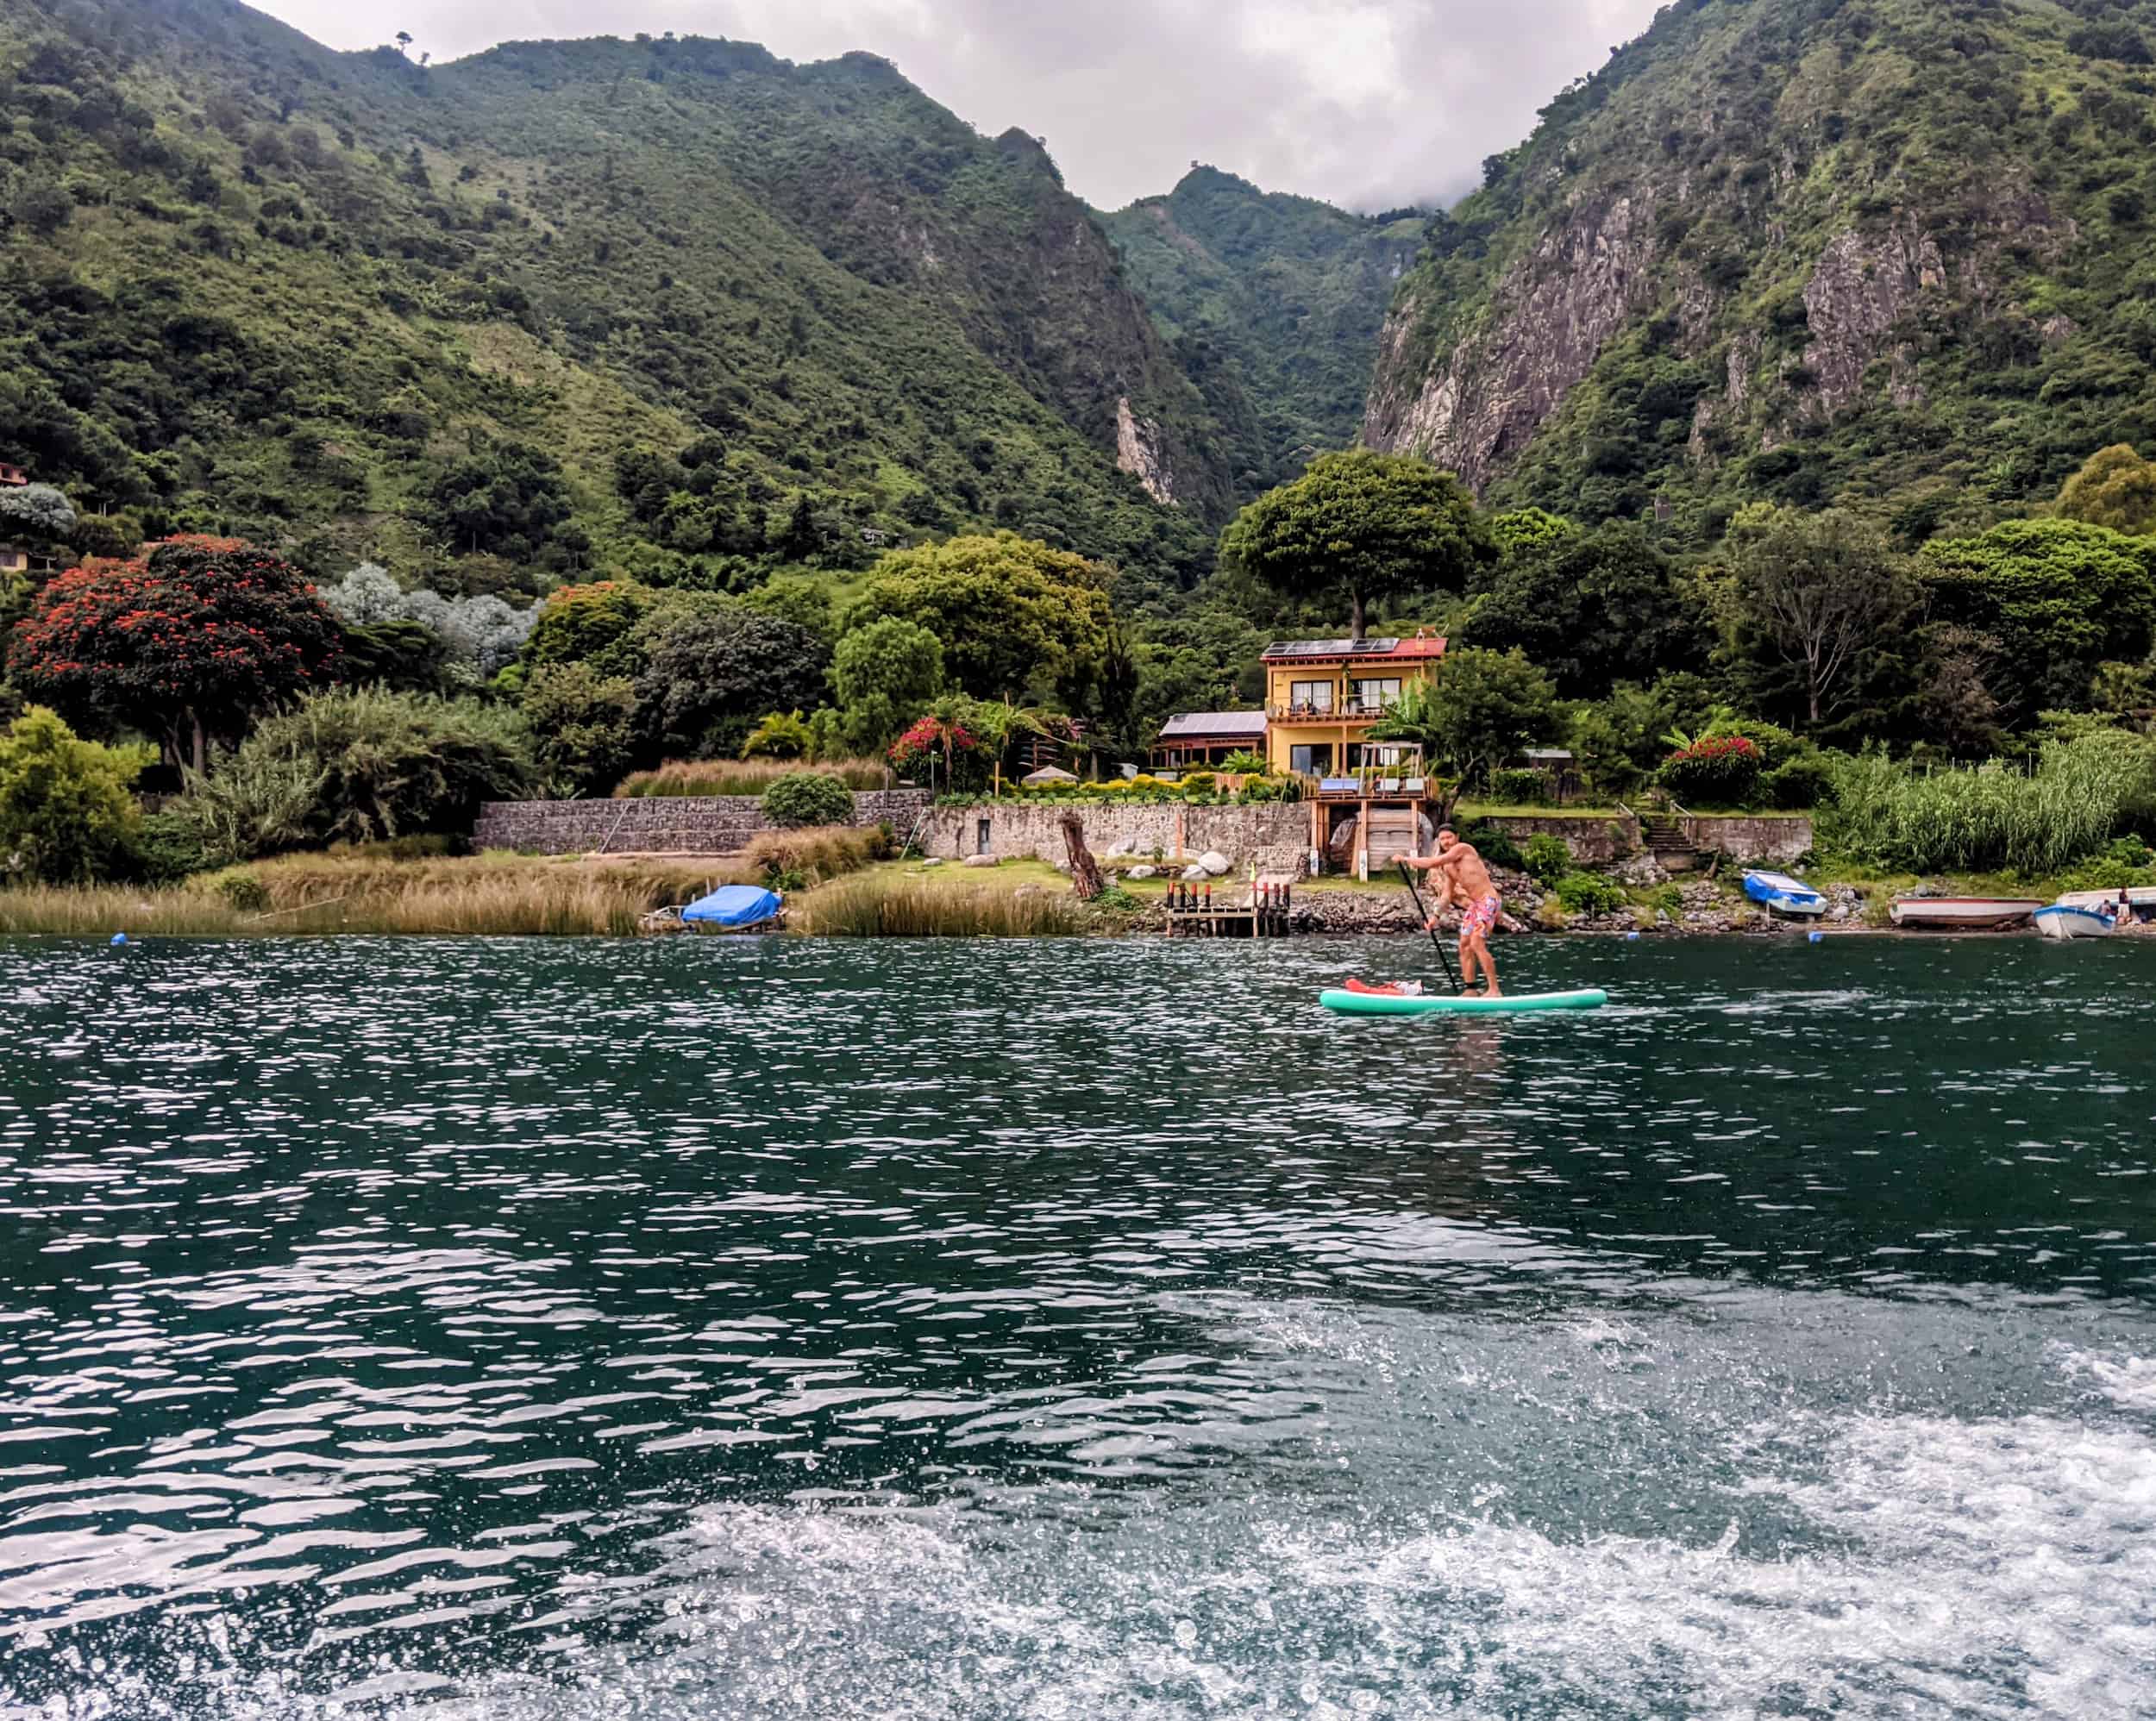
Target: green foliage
1529,532
1547,858
1013,615
1278,300
36,512
168,849
357,764
1591,609
1992,815
2047,601
212,311
1720,771
240,891
1820,607
66,815
807,798
710,677
1589,893
1798,784
1619,740
201,632
1519,786
590,624
2116,487
1495,846
406,656
1244,763
1479,709
782,735
2128,862
884,674
1362,526
582,727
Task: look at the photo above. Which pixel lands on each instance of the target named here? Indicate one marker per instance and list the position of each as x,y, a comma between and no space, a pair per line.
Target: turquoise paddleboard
1434,1003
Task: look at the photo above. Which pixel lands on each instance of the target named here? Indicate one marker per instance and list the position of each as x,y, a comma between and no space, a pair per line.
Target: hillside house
1191,739
12,476
14,558
1322,696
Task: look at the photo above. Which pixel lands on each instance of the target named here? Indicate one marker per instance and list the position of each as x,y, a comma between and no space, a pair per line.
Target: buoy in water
119,938
1813,937
1632,938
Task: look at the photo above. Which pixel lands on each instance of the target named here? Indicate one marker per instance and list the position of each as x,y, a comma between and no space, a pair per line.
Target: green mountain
1268,299
636,304
1893,252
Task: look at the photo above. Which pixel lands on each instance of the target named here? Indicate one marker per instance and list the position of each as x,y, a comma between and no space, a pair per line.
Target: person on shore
1467,882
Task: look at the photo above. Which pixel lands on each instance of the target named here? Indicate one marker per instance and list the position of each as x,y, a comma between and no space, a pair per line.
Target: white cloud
1361,101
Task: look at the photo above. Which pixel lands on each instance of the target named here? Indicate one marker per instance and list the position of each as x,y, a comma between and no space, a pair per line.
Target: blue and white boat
2064,920
1779,893
730,908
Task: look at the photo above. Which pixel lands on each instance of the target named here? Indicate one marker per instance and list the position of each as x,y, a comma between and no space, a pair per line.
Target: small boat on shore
1963,914
1779,893
732,908
2141,901
2063,920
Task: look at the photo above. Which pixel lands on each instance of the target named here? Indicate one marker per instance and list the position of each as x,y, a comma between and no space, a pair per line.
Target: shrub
581,726
1518,788
1496,847
66,815
803,797
1548,858
2128,861
168,849
1589,893
1244,763
1723,770
1807,781
242,891
782,735
1257,791
356,765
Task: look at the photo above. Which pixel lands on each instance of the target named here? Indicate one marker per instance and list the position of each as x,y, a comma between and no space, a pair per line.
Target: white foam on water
2001,1568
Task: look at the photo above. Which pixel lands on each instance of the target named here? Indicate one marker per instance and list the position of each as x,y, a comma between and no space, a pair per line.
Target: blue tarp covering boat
1780,893
734,908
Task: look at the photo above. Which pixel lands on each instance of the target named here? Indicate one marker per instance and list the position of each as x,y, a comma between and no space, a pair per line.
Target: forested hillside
1893,253
636,304
1272,299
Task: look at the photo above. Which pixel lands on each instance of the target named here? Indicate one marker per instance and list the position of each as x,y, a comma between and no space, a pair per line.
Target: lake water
714,1328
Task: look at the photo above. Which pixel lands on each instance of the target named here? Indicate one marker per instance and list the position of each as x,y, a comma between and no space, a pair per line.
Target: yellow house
1322,696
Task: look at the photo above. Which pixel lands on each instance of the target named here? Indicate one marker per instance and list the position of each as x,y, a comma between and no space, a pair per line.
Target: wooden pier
1195,911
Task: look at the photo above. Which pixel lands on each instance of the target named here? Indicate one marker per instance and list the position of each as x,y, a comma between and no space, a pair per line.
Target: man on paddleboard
1467,882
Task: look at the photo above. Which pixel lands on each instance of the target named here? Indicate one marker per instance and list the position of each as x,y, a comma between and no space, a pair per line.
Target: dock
1260,911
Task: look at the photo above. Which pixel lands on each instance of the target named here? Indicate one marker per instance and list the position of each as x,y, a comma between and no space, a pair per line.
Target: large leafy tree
66,815
710,676
885,673
587,624
2054,599
1592,608
504,497
1821,606
1014,615
38,512
189,643
2116,487
1479,709
1362,525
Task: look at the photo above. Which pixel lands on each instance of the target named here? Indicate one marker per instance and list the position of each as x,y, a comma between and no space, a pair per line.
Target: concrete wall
663,824
1775,838
1276,837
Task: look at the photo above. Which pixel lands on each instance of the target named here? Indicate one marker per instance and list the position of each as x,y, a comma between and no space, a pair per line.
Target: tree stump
1085,871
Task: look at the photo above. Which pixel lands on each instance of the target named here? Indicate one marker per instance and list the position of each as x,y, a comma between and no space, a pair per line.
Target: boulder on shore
1214,862
984,860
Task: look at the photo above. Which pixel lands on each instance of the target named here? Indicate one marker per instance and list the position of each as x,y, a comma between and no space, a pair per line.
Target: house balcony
1353,711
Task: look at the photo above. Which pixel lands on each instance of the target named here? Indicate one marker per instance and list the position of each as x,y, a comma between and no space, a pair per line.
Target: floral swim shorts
1477,918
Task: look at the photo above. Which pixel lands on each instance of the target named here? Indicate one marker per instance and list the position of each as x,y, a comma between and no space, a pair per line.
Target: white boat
1963,914
2140,898
2063,920
1779,893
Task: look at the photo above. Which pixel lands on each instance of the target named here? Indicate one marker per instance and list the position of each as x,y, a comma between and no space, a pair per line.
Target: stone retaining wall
1277,837
662,825
1777,839
1594,842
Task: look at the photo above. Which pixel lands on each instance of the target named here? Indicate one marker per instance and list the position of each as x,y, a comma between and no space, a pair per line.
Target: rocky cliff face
1772,249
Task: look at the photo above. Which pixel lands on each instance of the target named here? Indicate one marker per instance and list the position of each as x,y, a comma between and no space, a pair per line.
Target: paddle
1452,969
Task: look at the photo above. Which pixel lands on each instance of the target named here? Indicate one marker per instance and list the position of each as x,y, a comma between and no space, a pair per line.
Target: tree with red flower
188,642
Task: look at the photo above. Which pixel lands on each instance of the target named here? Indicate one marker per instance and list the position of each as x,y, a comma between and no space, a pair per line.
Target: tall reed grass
687,776
480,896
1991,816
906,908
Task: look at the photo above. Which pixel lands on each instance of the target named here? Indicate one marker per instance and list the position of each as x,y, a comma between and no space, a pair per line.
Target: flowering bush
1722,768
931,737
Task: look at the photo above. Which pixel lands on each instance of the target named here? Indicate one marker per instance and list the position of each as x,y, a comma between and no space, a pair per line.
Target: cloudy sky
1366,102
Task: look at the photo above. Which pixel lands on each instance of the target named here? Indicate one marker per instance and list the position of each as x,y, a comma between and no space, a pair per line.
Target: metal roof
1287,651
1239,725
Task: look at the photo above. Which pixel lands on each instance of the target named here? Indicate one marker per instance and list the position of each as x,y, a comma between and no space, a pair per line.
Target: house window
1376,695
1315,696
1312,761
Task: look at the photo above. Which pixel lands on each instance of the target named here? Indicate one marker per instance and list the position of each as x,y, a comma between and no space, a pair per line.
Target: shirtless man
1467,881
